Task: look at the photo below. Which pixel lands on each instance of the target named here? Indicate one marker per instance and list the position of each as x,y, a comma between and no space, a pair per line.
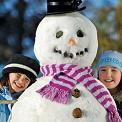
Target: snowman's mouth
67,54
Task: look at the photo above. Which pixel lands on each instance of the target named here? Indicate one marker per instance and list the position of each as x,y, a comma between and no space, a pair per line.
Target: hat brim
30,75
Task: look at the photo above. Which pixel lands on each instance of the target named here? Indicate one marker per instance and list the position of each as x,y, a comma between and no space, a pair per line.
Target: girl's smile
109,76
18,82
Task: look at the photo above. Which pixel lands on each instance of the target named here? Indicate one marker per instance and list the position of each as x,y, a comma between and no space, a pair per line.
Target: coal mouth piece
67,54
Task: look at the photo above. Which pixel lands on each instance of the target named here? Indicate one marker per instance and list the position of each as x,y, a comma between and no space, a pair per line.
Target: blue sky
100,3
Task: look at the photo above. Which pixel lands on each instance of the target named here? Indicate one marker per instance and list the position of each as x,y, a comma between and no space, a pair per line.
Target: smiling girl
19,73
109,72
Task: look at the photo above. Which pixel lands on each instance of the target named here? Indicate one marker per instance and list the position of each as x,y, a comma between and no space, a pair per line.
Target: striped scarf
66,76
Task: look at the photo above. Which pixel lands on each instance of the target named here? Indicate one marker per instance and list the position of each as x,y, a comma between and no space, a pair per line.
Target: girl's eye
18,75
80,33
103,70
59,34
27,79
114,70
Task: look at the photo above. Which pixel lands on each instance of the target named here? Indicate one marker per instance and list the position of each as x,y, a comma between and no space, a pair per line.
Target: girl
109,72
19,73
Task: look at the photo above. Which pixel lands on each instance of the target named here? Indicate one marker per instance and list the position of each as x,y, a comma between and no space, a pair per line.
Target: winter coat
5,109
118,99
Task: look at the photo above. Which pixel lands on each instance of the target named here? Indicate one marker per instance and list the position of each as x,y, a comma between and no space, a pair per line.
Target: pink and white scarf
66,76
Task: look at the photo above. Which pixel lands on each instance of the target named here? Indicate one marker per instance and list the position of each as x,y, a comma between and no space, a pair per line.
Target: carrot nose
72,42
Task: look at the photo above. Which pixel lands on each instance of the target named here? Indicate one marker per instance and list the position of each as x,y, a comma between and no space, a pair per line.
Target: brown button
76,93
77,113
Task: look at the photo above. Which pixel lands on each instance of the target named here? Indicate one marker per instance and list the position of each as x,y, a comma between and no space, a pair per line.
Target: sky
102,2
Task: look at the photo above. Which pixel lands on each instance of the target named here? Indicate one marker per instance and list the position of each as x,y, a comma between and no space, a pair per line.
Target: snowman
65,45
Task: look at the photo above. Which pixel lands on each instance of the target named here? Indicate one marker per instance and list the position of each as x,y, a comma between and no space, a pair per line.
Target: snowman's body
33,108
57,35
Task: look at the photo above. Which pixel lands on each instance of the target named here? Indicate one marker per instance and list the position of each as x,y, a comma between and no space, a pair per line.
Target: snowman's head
66,38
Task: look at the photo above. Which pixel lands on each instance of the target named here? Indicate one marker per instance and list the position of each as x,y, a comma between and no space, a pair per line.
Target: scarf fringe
54,94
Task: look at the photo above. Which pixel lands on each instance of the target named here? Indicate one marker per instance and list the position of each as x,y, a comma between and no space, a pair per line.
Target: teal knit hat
111,58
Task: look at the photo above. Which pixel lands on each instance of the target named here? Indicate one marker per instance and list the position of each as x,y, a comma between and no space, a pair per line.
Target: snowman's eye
59,34
80,33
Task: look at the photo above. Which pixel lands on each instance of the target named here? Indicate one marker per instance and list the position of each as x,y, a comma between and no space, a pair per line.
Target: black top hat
52,7
63,6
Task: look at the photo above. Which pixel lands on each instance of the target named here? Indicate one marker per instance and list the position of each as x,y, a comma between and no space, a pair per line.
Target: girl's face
109,76
18,82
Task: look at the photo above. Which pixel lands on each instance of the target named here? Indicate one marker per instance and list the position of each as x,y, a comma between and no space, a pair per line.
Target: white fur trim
22,67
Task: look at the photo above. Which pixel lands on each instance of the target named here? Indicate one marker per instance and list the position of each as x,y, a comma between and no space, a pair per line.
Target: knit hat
112,58
22,64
